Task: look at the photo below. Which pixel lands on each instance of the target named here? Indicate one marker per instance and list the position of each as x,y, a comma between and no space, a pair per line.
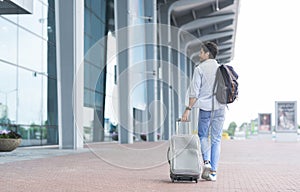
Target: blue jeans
211,150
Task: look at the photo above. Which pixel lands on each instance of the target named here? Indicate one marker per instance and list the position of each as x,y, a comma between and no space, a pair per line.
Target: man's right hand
185,115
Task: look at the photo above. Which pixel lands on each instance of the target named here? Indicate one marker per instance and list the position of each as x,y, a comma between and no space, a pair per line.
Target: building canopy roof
16,7
205,20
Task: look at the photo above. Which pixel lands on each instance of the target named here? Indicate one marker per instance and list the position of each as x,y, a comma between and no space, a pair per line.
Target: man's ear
207,53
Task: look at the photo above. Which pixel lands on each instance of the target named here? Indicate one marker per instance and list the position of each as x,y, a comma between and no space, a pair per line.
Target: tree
231,128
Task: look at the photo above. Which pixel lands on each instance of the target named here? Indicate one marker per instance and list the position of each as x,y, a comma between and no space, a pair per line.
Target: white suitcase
184,156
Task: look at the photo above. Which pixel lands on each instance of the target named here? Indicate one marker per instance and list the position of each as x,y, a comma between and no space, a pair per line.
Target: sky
265,57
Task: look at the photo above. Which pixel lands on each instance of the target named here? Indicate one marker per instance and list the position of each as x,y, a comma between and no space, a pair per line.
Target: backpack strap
212,107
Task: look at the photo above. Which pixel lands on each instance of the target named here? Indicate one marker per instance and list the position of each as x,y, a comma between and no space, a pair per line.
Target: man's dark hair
210,47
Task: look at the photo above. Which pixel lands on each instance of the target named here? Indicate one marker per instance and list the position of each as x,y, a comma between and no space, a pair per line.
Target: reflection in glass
8,41
30,97
94,30
34,22
12,18
33,134
8,93
28,85
30,51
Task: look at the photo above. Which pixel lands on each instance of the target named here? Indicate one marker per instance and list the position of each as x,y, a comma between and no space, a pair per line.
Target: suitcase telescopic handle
177,126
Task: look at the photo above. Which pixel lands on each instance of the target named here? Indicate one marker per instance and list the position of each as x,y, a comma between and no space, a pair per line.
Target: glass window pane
45,58
87,44
8,93
88,95
30,98
100,83
44,103
87,70
87,21
34,22
96,28
44,22
8,41
30,51
51,106
94,76
87,3
92,99
95,55
103,10
51,26
51,62
96,7
51,3
13,18
99,101
45,2
52,135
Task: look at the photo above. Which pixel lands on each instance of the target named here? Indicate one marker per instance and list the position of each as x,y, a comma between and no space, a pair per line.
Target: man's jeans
211,149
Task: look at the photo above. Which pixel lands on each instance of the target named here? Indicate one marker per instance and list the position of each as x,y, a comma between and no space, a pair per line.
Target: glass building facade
28,96
53,45
28,73
94,69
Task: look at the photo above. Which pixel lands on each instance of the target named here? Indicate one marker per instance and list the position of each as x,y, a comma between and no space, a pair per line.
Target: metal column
151,59
125,110
69,34
164,57
166,85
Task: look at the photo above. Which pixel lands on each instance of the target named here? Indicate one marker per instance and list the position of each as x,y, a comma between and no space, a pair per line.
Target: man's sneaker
206,170
212,176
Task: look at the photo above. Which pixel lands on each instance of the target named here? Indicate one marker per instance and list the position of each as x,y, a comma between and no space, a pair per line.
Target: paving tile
245,165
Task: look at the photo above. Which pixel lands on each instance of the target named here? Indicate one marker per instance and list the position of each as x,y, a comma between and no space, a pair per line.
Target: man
211,117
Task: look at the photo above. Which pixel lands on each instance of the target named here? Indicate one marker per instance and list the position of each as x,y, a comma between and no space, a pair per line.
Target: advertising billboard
286,116
264,123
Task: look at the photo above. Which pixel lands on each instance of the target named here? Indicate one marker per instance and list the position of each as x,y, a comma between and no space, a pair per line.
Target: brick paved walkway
246,165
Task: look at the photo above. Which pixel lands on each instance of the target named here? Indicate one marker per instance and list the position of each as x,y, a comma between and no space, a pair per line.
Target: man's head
208,50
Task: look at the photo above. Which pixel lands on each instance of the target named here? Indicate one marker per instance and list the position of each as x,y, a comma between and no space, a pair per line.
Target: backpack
226,85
